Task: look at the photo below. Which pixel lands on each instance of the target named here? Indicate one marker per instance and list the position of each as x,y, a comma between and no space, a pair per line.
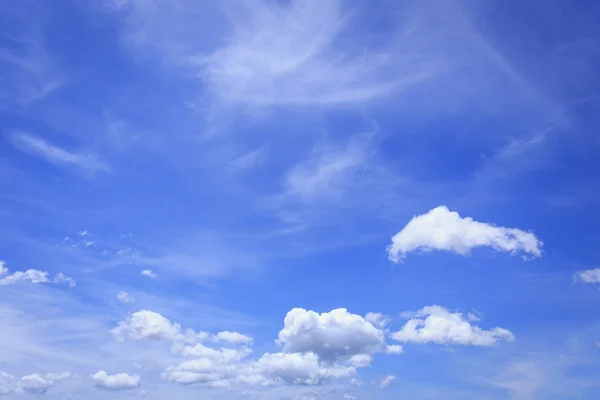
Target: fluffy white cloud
349,397
146,324
7,382
35,384
115,382
298,368
394,349
220,355
32,384
210,367
378,319
589,276
315,348
332,336
437,325
149,274
232,337
442,229
387,381
125,297
32,276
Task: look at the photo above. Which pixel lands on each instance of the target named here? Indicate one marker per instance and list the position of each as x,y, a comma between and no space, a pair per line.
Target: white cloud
327,171
211,367
56,155
435,324
221,355
62,278
394,349
146,324
125,297
349,397
442,229
522,378
589,276
333,336
31,384
58,375
299,368
316,348
120,381
378,320
282,54
7,383
32,276
35,384
356,382
149,274
232,337
387,381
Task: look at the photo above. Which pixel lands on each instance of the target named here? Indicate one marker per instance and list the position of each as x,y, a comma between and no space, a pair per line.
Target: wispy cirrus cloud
29,70
277,53
37,146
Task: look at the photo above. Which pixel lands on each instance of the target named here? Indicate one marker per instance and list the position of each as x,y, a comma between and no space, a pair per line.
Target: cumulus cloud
125,297
299,368
442,229
315,348
378,319
394,349
120,381
31,384
589,276
387,381
232,337
435,324
35,384
146,324
149,274
32,276
221,355
334,336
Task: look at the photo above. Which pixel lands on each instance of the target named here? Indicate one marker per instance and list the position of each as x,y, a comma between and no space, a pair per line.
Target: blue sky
299,200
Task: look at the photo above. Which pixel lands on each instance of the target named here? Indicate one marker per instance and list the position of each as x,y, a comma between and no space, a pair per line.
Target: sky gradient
299,200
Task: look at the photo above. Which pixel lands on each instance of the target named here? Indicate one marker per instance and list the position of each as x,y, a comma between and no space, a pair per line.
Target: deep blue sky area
299,200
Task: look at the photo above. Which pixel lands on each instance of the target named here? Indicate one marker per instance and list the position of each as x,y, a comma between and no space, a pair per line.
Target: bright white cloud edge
442,229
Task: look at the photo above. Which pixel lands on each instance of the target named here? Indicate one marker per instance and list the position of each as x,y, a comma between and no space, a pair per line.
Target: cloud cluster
120,381
315,348
30,384
32,276
435,324
334,336
442,229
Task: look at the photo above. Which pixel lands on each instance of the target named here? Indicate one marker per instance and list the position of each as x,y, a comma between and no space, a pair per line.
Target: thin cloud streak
39,147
